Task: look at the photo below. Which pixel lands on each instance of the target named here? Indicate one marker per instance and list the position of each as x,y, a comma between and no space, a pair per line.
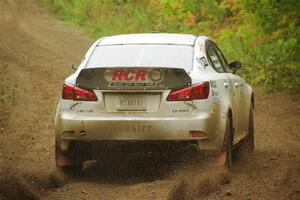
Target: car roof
149,38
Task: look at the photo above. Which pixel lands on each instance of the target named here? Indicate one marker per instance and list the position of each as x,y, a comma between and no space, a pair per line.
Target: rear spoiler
134,78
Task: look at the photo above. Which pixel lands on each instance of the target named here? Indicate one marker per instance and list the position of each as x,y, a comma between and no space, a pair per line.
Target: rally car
153,88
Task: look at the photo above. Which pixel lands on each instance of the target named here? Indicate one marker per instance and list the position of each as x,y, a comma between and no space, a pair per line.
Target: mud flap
224,157
62,159
221,158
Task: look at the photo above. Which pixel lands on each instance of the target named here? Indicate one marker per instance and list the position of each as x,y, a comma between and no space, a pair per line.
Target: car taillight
194,92
67,92
71,92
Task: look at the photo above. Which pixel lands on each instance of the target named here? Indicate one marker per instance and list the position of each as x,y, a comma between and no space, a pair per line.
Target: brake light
67,92
194,92
71,92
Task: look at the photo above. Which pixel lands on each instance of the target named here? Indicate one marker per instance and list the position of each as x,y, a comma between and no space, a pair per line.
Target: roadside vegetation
263,34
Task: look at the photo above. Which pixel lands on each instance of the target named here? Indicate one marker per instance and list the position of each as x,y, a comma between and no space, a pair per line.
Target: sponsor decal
138,128
215,93
133,77
131,84
213,84
181,111
129,75
202,61
156,75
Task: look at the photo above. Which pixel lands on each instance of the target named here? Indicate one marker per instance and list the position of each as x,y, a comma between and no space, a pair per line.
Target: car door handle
226,84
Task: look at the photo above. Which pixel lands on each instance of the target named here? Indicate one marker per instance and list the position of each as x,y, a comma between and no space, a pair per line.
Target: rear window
173,56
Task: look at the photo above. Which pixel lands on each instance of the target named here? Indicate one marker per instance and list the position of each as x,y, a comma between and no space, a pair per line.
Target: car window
214,59
173,56
222,58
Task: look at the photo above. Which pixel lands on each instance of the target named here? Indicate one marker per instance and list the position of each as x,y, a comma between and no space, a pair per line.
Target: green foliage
105,17
263,34
278,22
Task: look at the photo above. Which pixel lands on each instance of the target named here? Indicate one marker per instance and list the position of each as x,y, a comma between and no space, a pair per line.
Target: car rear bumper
72,126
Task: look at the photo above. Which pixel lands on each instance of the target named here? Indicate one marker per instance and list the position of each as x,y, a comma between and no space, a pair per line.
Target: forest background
263,34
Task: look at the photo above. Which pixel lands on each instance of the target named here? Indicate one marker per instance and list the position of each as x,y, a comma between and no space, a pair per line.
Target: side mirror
235,66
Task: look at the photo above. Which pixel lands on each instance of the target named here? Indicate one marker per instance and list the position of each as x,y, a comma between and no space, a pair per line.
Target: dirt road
39,51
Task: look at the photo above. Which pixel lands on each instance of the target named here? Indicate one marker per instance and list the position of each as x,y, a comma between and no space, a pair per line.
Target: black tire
250,138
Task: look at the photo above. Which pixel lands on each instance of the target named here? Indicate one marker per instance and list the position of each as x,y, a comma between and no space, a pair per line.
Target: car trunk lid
136,89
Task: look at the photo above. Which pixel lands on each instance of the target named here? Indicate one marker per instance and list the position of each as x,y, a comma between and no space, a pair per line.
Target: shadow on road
133,169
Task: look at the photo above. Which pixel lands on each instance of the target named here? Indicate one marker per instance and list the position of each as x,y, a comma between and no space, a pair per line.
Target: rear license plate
132,102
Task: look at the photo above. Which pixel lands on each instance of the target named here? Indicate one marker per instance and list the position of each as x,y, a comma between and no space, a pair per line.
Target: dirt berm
38,52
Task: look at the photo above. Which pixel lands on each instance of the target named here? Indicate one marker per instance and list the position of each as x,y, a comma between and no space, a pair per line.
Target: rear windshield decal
132,78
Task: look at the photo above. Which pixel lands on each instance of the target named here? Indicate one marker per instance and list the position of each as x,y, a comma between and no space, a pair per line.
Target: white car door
232,88
243,104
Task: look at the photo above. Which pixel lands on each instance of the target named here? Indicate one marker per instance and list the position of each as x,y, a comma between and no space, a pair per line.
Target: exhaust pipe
193,149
